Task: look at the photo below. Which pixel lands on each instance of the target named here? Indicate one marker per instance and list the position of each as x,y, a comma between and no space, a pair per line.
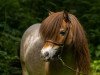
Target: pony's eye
62,32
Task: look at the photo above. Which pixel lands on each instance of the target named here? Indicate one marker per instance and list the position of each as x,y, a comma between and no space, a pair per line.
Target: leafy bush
95,65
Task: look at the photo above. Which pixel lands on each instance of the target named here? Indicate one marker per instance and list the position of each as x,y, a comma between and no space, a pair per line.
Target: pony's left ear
66,16
50,13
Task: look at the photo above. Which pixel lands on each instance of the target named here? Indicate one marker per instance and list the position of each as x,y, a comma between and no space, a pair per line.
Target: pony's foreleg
77,72
24,70
47,68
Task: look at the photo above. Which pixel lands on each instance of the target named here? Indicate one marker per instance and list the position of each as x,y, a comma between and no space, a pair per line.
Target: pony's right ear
66,16
50,13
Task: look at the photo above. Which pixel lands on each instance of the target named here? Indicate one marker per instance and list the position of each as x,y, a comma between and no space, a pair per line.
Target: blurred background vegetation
17,15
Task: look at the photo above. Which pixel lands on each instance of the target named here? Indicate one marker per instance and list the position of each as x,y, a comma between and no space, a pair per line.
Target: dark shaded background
17,15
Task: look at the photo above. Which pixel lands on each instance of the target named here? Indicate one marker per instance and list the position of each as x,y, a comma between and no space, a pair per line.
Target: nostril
46,54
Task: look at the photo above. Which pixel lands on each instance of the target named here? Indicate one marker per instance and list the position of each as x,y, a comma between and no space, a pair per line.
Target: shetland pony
57,46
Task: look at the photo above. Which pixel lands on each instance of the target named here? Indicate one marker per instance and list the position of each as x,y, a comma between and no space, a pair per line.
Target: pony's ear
50,13
66,16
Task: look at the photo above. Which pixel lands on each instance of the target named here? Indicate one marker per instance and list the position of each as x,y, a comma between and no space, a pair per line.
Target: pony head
56,31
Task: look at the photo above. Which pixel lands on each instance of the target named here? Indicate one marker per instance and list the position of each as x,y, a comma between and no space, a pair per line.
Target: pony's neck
57,68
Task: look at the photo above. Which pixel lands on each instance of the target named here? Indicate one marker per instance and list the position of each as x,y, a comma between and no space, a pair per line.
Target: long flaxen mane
80,46
50,28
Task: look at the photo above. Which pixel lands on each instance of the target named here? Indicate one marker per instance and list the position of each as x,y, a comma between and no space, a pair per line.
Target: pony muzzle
49,53
46,56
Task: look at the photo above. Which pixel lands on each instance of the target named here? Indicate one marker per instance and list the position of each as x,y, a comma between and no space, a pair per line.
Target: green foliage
95,65
17,15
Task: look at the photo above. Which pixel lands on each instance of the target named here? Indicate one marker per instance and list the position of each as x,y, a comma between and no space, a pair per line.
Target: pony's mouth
47,58
50,59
